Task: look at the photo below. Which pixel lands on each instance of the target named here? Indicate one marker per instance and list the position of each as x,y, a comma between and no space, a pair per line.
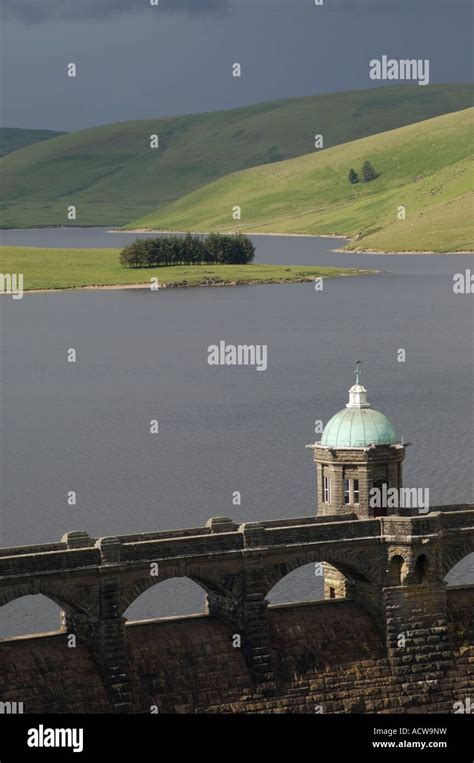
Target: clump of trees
215,249
368,174
353,176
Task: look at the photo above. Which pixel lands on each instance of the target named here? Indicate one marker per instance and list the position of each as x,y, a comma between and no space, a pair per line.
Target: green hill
425,167
112,176
14,138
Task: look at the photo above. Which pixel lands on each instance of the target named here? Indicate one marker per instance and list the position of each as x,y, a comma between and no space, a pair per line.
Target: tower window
355,491
327,489
351,491
381,511
347,491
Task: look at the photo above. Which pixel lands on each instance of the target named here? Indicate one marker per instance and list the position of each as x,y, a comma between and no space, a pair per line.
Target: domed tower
358,451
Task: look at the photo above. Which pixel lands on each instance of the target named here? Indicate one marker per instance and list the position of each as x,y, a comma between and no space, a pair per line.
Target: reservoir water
142,355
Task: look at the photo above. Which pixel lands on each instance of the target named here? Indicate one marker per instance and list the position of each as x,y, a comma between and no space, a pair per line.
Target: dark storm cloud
34,11
176,58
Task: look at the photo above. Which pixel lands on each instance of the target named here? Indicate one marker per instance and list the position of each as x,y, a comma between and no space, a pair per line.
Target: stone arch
172,597
456,561
36,613
454,554
309,579
133,589
348,564
33,588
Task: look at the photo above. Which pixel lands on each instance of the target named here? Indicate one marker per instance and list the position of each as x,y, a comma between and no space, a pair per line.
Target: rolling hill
425,167
14,138
112,176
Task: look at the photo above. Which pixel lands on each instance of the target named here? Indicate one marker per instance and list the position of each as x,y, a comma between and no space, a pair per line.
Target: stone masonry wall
47,676
328,657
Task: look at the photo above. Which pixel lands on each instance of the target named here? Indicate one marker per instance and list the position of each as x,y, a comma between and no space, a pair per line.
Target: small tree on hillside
353,176
368,172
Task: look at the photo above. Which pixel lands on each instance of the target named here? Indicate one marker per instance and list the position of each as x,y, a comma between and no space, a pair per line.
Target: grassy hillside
112,176
14,138
426,167
76,268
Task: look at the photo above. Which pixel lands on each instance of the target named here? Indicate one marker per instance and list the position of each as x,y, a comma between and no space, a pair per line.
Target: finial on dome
357,393
357,370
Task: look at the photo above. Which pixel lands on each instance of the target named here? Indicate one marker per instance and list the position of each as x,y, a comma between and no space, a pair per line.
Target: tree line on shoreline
164,251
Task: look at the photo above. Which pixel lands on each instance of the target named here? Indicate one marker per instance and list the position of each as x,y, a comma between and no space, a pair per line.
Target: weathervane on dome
357,370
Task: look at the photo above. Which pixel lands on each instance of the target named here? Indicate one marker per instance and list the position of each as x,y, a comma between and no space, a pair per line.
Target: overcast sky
135,60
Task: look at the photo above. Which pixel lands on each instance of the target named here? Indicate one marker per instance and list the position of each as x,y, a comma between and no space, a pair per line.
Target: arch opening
305,583
311,582
461,573
420,571
395,568
173,597
30,615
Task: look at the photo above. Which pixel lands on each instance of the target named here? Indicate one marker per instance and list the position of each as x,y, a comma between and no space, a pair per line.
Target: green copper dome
358,428
358,425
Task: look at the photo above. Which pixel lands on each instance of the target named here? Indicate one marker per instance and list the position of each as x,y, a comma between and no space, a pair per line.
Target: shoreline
146,286
400,254
248,233
299,235
206,233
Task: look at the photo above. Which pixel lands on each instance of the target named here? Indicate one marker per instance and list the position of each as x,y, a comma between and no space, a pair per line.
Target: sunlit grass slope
112,176
425,168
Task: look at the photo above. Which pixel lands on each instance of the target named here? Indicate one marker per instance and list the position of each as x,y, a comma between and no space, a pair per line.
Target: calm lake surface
142,355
